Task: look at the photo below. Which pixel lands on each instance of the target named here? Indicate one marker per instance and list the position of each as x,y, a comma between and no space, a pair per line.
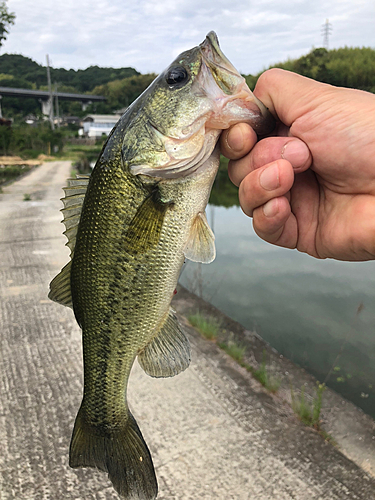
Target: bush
28,141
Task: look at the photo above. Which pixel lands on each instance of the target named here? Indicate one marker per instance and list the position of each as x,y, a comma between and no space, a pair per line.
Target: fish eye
177,75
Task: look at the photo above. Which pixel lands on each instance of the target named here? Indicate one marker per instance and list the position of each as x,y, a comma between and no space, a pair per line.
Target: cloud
148,35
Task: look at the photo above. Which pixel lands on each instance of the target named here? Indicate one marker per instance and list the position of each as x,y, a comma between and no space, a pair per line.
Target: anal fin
168,353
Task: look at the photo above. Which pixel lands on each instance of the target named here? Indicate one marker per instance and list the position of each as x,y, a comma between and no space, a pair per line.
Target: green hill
346,67
22,72
83,80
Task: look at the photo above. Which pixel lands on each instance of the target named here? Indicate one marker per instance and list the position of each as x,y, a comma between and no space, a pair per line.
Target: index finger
237,141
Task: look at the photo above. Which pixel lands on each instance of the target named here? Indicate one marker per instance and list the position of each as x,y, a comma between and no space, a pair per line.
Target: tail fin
124,455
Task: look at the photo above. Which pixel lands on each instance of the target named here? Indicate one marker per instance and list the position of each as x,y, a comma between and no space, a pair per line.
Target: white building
97,125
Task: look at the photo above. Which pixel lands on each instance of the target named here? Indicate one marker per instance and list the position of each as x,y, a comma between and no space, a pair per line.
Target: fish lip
216,66
235,86
215,59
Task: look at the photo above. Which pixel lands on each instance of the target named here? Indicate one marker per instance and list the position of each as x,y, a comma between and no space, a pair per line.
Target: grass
310,413
75,152
234,350
270,382
237,352
12,172
208,327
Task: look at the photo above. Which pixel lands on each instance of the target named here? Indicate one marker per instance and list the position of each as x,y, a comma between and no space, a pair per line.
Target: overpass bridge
46,98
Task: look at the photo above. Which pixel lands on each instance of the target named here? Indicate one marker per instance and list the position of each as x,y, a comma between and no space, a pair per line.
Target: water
306,308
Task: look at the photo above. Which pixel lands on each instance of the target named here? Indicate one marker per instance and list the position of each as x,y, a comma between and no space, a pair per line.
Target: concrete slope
213,433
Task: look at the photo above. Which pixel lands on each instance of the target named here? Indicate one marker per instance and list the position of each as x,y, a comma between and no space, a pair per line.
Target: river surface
318,313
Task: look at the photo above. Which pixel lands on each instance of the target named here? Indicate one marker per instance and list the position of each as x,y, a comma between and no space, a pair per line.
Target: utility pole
50,95
326,31
57,107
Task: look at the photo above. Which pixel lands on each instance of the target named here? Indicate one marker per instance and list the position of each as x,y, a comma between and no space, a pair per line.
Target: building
98,125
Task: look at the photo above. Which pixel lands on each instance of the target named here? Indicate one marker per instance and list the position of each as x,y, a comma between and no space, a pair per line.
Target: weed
317,406
234,350
270,382
309,413
26,197
237,352
208,327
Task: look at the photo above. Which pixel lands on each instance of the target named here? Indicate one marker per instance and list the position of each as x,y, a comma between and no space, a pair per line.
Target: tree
351,67
6,19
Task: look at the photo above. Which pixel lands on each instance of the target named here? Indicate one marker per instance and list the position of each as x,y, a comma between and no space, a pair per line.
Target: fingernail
296,152
269,178
270,209
235,139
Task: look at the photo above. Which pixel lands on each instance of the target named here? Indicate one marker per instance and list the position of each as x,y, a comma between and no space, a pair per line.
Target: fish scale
130,226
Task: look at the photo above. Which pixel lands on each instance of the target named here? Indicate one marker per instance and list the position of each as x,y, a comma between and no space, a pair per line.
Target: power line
326,31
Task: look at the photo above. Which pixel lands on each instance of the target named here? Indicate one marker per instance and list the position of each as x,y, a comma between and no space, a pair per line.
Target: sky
148,34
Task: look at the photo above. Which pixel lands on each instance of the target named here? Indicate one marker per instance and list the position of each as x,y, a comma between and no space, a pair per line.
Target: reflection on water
304,307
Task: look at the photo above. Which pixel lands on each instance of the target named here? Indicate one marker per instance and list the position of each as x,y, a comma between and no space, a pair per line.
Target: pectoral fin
168,353
201,243
144,230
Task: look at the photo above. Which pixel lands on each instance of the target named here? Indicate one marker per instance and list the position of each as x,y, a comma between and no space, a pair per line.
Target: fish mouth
223,71
223,83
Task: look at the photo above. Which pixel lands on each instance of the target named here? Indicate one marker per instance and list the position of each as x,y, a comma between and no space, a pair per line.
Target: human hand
312,185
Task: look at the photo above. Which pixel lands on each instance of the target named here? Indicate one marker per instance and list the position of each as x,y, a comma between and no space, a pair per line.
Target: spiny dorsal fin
74,195
201,243
168,353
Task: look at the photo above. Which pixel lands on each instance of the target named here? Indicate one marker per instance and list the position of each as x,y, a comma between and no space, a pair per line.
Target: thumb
288,95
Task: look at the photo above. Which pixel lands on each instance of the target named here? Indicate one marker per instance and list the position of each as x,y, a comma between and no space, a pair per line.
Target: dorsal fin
74,195
73,200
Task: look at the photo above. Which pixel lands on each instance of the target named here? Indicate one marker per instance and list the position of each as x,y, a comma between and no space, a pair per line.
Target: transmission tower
326,31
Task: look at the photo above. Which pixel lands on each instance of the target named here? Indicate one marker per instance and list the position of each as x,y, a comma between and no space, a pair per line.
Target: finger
287,95
291,223
269,150
237,141
275,223
262,185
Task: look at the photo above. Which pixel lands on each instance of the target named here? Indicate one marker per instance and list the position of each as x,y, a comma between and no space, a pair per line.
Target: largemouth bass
130,226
